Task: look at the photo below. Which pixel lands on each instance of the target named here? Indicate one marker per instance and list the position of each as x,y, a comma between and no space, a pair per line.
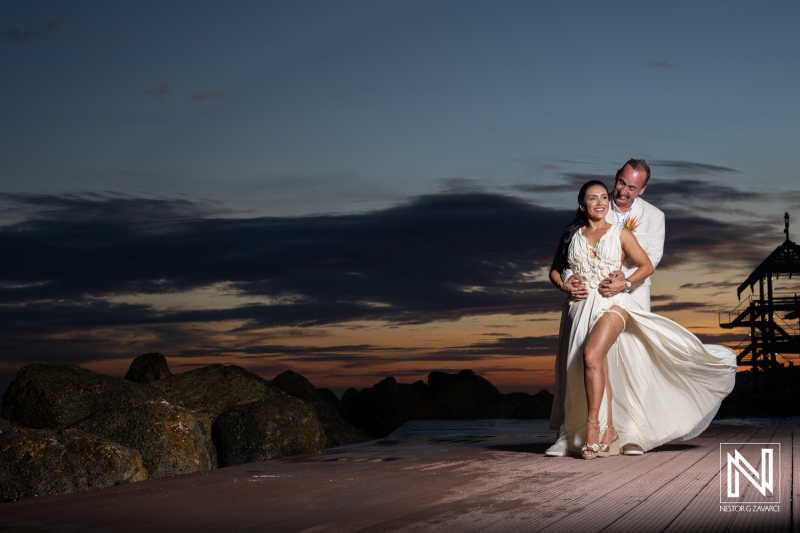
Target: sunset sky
358,189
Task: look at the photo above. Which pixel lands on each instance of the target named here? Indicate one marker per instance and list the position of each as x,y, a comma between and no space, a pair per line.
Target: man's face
628,185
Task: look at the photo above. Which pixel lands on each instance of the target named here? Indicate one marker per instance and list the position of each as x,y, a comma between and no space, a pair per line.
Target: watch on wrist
628,285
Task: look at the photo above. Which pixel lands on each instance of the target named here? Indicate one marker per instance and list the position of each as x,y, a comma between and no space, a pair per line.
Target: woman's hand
574,285
576,289
612,285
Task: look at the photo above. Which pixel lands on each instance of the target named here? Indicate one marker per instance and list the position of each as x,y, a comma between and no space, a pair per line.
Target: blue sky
158,157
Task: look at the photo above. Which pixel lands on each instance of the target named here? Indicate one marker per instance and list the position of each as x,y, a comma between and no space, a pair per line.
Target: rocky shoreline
65,429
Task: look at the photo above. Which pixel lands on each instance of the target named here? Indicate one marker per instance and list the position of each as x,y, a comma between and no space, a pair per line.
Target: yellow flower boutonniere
632,223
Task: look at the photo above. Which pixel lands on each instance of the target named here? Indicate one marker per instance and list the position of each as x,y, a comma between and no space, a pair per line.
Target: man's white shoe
556,450
632,449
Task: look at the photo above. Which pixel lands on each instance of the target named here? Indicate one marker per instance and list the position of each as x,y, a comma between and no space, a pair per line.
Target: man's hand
612,285
577,290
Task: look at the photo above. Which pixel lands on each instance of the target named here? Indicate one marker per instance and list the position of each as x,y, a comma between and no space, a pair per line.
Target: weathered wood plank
703,515
795,480
693,470
768,520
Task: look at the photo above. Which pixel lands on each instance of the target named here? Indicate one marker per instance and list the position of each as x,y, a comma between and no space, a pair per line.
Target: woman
665,382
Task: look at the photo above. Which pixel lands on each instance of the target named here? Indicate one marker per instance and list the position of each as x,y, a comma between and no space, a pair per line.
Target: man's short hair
639,165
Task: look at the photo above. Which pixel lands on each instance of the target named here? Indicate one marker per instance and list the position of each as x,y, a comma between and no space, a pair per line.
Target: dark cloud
672,306
353,356
659,64
79,269
436,258
687,168
503,347
719,244
571,183
26,36
723,285
676,196
159,92
203,96
727,338
711,195
461,186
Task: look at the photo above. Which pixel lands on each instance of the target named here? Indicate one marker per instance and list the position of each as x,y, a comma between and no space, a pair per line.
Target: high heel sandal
593,447
612,448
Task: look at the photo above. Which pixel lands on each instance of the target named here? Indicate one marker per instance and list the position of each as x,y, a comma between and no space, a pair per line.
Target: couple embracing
626,379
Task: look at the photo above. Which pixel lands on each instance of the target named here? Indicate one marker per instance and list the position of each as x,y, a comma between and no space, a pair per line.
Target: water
781,422
536,430
471,431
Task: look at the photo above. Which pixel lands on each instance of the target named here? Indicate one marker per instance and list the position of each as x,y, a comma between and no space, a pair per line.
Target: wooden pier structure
446,476
769,317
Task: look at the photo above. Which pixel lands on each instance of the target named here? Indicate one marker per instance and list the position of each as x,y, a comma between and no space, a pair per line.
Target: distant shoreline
780,422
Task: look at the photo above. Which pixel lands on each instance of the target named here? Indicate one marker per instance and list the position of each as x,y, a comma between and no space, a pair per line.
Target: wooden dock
468,476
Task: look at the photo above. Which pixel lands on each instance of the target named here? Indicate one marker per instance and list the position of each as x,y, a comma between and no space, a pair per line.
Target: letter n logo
737,464
739,469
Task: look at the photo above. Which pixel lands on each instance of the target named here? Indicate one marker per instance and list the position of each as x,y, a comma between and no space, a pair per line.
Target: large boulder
39,462
170,439
296,385
44,395
213,389
440,381
525,405
328,395
467,395
338,432
267,429
376,410
384,407
417,402
148,368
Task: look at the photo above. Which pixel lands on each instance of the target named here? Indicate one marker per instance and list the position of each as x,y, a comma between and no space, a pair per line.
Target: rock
148,368
531,406
387,405
327,395
296,385
501,407
466,395
213,389
53,396
208,434
39,462
338,432
376,410
268,429
170,439
439,381
418,404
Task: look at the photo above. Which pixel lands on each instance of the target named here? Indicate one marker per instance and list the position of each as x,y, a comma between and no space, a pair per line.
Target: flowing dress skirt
665,383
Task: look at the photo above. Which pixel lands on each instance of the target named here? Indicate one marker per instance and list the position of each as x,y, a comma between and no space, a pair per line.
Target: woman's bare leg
599,342
608,436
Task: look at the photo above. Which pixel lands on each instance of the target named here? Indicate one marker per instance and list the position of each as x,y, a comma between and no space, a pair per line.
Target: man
647,224
645,221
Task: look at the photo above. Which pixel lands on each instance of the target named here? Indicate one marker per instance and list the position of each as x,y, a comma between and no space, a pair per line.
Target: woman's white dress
665,383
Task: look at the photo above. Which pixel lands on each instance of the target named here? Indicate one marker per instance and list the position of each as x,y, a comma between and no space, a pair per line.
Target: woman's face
595,202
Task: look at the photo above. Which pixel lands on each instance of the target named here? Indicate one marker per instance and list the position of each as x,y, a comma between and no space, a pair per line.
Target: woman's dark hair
560,260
